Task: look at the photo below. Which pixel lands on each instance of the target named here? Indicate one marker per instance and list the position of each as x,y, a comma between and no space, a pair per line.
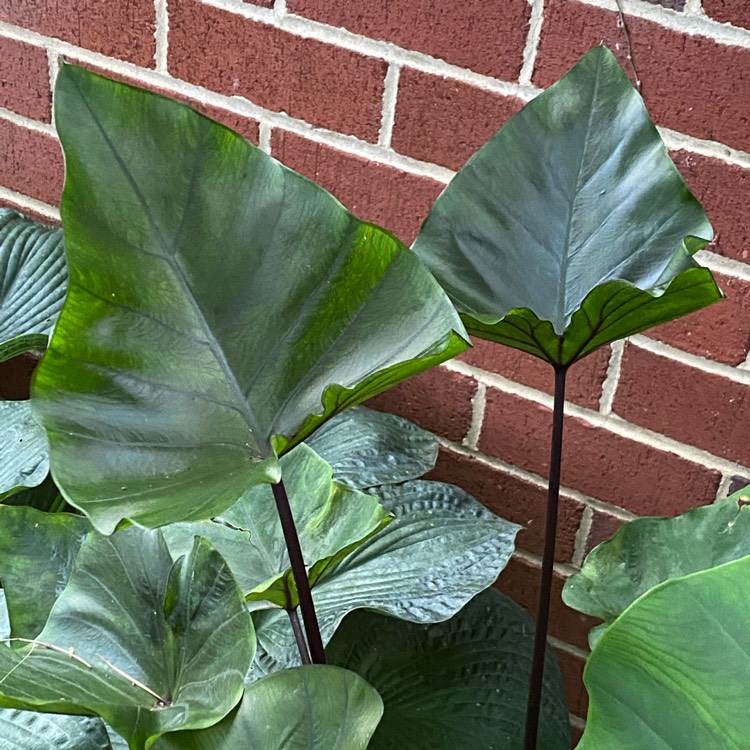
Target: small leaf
29,730
24,455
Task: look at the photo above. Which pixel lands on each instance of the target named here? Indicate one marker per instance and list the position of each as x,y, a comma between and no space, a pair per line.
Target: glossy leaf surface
221,308
308,708
24,454
33,280
456,684
27,730
572,227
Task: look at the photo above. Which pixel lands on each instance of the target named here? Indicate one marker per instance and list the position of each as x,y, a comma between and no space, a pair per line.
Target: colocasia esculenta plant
204,541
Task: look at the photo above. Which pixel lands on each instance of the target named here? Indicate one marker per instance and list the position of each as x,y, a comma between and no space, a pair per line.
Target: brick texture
486,37
383,195
15,377
316,82
24,80
736,12
443,121
603,527
575,693
690,83
123,29
605,466
694,407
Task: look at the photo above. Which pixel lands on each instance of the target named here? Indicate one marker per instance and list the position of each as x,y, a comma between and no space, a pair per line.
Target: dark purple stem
299,636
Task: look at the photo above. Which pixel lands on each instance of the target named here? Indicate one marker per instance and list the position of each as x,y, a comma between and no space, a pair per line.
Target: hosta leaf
368,448
308,708
24,455
147,644
456,684
221,308
442,548
572,227
28,730
33,280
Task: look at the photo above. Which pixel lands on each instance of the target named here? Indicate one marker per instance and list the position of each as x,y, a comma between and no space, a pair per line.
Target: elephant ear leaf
221,308
33,280
572,227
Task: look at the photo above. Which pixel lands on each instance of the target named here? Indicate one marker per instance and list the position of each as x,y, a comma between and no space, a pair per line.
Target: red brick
575,693
603,527
486,37
444,121
320,83
736,12
15,377
694,407
690,83
437,400
30,163
719,332
383,195
614,469
123,29
584,385
722,189
513,499
575,735
31,213
24,80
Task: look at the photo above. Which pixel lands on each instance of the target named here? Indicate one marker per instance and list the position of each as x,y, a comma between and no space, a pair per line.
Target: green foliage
28,730
24,457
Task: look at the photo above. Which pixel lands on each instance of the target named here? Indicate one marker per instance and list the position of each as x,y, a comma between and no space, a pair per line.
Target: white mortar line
693,8
676,141
279,9
264,137
611,423
26,122
692,25
390,95
53,62
532,42
564,569
568,647
612,379
746,364
25,203
477,417
725,266
577,721
723,489
161,35
582,537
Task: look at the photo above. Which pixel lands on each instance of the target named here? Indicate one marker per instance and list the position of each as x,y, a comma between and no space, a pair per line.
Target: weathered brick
736,12
719,332
15,377
486,37
30,163
585,378
24,80
572,670
320,83
603,465
446,121
383,195
722,189
690,83
124,29
692,406
603,527
513,499
437,399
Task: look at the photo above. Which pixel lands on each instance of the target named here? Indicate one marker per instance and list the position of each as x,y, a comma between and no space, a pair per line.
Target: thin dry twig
626,30
51,646
135,682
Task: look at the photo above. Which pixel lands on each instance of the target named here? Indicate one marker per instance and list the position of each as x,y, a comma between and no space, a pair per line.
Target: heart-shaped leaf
368,448
33,280
147,644
308,708
221,308
24,455
456,684
29,730
572,227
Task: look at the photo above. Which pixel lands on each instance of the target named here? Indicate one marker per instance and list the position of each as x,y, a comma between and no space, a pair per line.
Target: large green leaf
221,307
648,551
331,521
33,279
672,671
572,227
28,730
24,455
37,552
308,708
367,448
147,644
442,548
456,684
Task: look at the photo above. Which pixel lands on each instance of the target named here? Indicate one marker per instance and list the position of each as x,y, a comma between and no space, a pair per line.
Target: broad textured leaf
37,552
331,521
28,730
672,671
33,280
4,616
147,644
572,227
45,496
457,684
442,548
308,708
221,308
368,448
24,455
648,551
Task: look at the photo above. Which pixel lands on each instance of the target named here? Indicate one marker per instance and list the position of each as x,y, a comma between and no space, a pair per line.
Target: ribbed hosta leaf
572,227
28,730
24,454
33,281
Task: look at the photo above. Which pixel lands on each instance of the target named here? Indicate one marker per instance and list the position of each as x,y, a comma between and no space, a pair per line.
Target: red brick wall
379,100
